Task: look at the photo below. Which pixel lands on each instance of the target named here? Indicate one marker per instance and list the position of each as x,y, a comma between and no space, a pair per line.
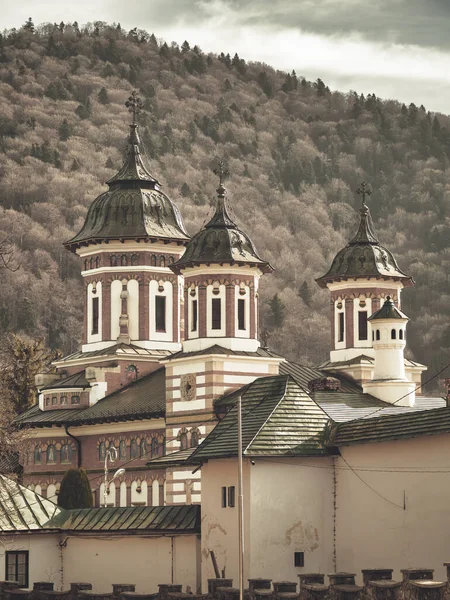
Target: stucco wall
292,511
372,532
44,555
143,561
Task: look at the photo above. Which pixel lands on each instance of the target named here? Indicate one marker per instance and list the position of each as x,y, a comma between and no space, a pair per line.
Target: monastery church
335,455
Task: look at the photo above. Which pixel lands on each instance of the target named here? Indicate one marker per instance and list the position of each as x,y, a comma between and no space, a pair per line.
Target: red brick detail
106,312
202,316
349,323
175,312
229,311
333,325
253,315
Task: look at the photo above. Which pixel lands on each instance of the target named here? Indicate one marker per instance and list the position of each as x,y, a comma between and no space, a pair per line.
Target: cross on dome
364,190
134,105
222,172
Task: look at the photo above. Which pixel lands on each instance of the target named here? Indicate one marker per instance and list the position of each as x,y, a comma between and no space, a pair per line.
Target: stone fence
415,584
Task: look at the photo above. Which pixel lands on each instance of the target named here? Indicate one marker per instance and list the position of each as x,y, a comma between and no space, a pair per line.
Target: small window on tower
362,325
378,335
241,314
340,327
160,313
94,316
393,334
216,309
194,315
400,334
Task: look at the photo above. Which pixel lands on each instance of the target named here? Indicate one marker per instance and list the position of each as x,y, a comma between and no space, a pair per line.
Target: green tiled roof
174,459
73,381
155,519
127,350
303,375
22,509
392,427
142,399
278,419
216,349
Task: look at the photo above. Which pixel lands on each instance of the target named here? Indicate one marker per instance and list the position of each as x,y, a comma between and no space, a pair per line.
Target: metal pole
105,492
240,503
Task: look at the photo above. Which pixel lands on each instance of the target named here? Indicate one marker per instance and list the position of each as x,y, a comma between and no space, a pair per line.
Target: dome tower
361,275
132,234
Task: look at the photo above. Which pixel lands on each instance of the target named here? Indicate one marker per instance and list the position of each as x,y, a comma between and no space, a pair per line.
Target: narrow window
37,455
194,315
153,260
183,441
133,449
97,262
373,335
393,334
122,450
378,335
241,313
66,453
54,400
216,308
224,497
101,451
94,316
400,334
113,260
17,567
47,401
160,313
162,261
299,559
124,260
143,448
231,496
362,325
134,260
51,454
63,400
155,447
341,327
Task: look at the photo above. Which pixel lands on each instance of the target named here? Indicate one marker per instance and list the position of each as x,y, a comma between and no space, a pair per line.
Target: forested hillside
295,149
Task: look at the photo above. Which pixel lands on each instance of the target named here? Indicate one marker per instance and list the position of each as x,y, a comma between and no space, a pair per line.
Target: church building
171,339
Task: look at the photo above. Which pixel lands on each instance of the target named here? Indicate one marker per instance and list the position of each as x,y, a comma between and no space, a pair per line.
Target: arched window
101,451
373,335
124,260
111,445
134,259
54,400
171,260
37,455
162,261
113,260
378,335
195,438
153,260
400,334
133,449
143,448
63,400
155,447
75,399
97,262
86,264
183,441
51,454
122,450
47,401
393,334
66,453
91,263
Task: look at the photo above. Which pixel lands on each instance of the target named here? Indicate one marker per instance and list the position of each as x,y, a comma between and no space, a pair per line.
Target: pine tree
185,190
29,25
277,311
75,491
305,293
109,163
103,96
64,131
185,47
265,84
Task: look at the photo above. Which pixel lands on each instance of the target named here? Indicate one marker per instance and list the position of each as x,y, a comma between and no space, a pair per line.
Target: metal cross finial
134,105
221,171
365,190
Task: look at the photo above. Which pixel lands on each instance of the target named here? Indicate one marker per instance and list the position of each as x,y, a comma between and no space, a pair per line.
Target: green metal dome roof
133,208
364,257
220,242
388,311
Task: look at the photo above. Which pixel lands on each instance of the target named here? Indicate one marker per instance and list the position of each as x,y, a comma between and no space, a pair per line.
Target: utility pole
240,503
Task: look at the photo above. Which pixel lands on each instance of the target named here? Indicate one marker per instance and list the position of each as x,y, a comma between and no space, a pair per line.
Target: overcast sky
394,48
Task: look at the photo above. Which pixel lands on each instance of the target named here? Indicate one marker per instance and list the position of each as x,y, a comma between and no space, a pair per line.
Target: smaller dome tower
389,381
221,270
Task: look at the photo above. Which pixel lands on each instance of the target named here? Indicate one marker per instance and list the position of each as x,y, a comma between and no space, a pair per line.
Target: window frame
15,553
95,315
241,314
363,326
194,323
160,307
216,314
341,327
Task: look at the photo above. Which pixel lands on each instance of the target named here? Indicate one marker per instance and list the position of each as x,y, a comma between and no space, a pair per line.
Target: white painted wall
371,531
116,308
90,294
44,556
167,292
133,308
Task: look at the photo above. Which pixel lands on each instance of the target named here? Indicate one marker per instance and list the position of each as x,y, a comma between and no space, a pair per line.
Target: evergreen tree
277,311
265,84
109,163
29,25
185,190
321,88
75,491
305,293
103,96
64,131
185,47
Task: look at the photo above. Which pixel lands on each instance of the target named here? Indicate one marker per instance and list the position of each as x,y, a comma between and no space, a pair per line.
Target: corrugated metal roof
142,399
22,509
216,349
278,419
78,380
157,519
115,350
406,424
171,460
303,375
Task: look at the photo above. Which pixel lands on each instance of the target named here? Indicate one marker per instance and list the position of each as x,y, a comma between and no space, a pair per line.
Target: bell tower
361,276
132,234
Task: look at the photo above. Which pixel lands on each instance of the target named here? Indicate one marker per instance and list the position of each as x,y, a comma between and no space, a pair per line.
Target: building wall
103,561
402,519
291,511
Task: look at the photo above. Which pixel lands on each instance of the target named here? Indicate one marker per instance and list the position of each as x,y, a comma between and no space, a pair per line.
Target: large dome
134,207
364,257
220,242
